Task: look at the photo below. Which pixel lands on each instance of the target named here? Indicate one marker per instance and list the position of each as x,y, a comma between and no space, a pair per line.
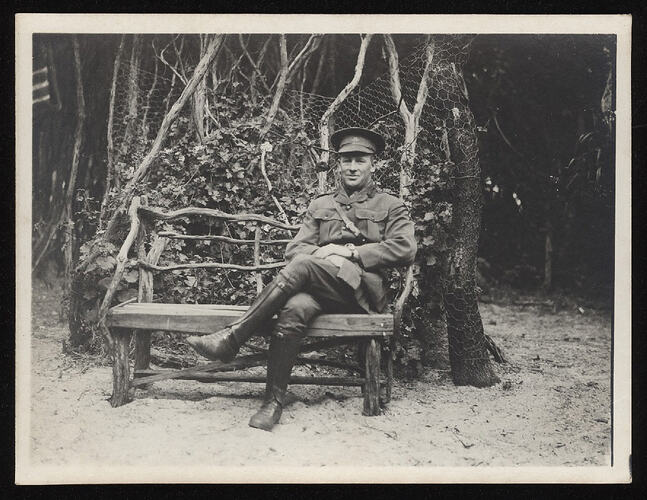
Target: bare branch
265,148
252,62
394,76
423,89
172,67
283,74
311,45
325,119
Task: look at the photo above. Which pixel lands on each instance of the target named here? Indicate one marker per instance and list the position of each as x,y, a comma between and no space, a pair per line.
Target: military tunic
387,238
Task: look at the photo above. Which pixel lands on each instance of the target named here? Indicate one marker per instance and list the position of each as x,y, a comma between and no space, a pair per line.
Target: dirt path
552,408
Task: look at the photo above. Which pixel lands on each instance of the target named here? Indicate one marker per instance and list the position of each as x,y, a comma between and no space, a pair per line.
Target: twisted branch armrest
401,300
122,258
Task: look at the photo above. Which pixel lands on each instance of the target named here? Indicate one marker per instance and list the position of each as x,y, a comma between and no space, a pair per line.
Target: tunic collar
367,191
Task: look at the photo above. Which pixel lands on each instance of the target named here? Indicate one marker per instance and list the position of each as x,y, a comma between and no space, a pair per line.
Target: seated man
348,236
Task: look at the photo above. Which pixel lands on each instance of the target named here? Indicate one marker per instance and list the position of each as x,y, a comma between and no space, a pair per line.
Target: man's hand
333,249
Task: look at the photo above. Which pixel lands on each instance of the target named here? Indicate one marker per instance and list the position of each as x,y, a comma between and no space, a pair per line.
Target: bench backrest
263,227
142,219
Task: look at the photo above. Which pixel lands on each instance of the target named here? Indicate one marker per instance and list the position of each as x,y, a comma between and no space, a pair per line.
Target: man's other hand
333,249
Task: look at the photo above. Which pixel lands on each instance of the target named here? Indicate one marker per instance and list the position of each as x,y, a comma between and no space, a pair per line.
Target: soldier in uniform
335,265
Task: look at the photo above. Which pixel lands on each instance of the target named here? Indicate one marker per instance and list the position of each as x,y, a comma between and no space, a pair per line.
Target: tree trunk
76,155
110,135
468,354
431,323
133,91
198,100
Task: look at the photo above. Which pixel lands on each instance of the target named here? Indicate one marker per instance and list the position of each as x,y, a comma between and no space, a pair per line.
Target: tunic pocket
372,223
329,225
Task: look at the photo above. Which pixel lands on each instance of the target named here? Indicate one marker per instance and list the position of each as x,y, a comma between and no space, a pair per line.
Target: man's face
356,170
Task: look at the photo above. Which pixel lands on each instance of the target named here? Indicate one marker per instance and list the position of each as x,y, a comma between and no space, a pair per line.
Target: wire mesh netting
374,106
145,88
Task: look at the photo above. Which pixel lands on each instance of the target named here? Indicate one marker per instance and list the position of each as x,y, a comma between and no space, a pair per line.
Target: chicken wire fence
373,106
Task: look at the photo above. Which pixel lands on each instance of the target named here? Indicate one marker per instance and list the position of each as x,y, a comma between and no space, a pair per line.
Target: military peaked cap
357,140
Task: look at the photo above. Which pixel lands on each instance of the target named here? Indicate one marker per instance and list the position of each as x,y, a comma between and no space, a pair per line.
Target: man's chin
354,184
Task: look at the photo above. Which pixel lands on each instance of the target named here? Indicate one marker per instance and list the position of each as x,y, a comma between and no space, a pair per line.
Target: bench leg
372,374
120,367
389,370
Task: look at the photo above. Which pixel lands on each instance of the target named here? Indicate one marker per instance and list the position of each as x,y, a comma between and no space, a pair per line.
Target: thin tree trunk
199,97
286,73
280,87
322,58
410,119
149,94
110,133
133,91
65,216
324,122
76,155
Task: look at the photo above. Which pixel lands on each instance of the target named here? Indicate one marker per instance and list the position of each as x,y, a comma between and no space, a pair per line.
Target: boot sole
262,427
207,354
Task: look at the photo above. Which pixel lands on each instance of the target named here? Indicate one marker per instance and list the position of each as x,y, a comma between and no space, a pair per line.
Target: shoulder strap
347,222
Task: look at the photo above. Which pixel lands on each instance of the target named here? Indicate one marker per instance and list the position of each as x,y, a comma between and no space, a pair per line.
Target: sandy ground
552,408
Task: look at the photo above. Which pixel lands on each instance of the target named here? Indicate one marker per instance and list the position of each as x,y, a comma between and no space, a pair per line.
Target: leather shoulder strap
347,222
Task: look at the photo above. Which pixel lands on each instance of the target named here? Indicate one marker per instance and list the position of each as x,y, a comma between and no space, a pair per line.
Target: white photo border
620,25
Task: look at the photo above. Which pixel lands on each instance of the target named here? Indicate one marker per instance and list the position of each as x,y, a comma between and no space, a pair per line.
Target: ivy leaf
106,262
132,276
428,240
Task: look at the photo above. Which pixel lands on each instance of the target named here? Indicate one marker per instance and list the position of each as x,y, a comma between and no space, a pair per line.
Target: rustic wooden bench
375,332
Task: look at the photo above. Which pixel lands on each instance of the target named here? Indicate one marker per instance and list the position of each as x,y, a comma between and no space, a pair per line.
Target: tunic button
347,207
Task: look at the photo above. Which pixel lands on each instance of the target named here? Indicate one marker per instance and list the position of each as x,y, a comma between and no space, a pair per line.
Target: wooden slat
211,265
242,377
217,237
214,366
197,318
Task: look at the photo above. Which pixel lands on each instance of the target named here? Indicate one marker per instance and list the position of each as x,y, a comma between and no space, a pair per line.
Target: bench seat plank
208,318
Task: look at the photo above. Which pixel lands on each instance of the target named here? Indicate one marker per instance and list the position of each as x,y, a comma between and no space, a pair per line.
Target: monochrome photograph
257,249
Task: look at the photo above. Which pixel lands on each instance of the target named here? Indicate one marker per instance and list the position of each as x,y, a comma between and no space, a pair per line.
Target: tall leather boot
225,344
282,356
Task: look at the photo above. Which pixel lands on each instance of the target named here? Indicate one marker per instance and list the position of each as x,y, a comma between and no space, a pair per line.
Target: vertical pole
257,259
145,294
390,352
